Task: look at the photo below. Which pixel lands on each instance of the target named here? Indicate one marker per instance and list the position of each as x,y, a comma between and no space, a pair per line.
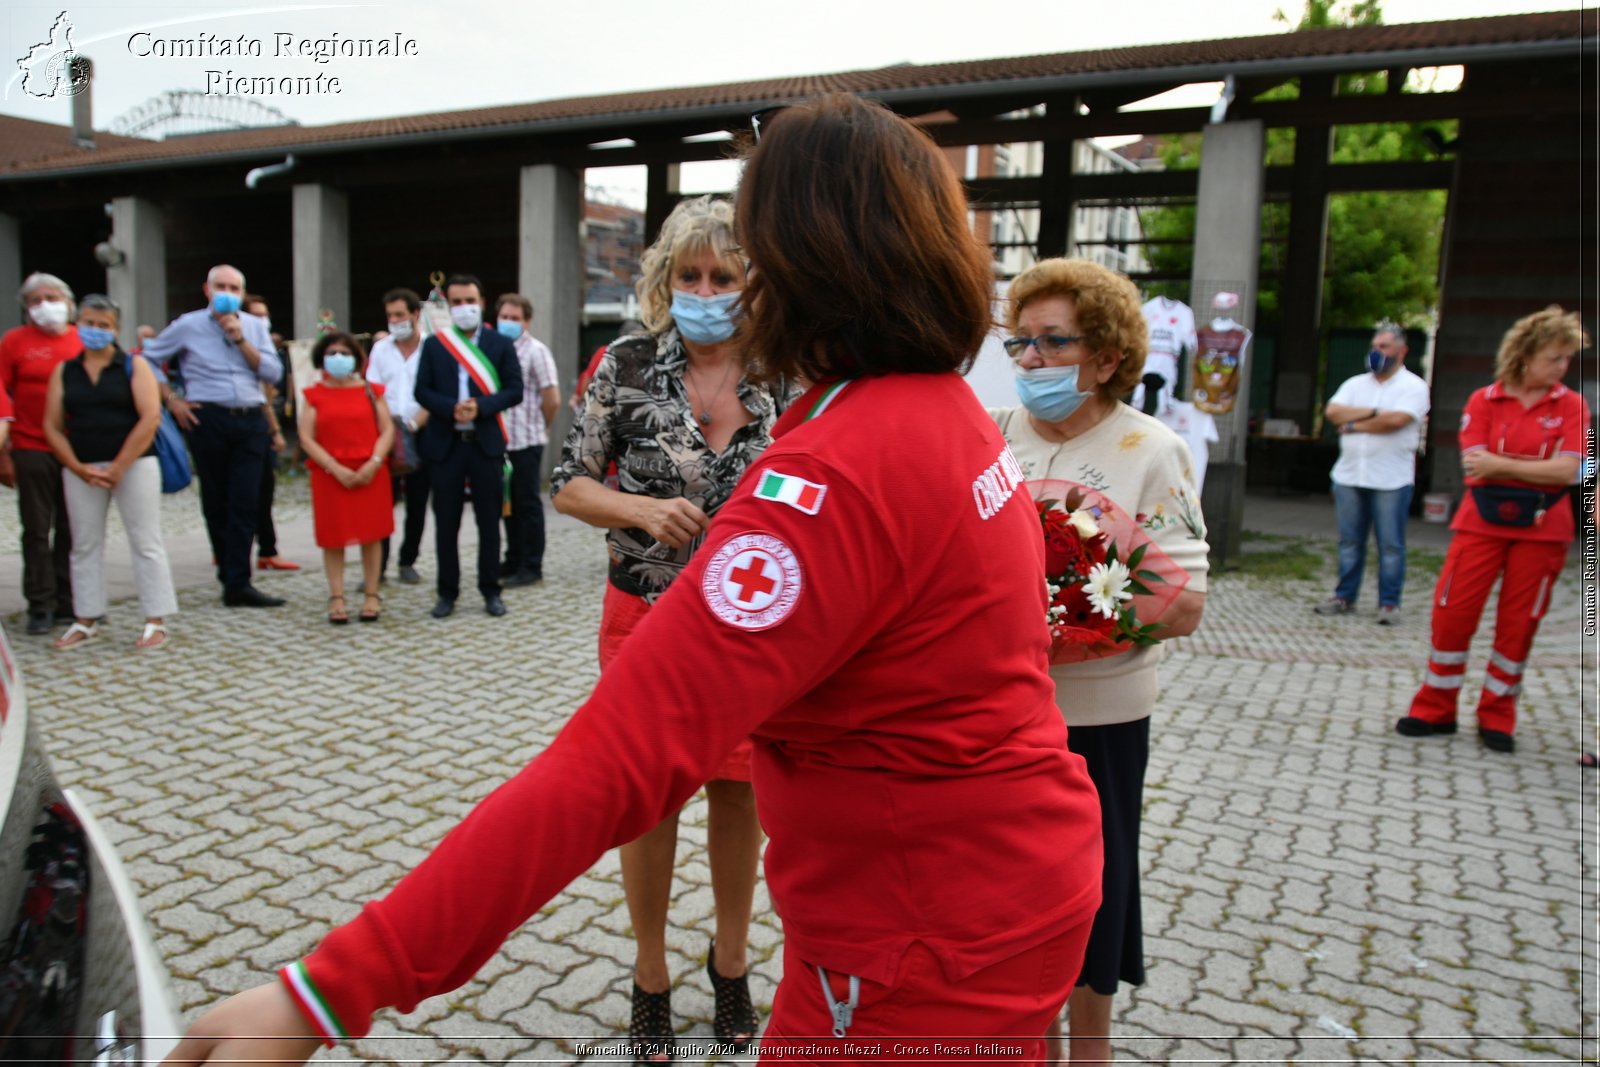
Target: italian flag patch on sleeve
787,489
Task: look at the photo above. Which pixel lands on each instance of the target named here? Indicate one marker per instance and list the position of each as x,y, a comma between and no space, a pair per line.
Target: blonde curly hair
695,225
1531,333
1109,314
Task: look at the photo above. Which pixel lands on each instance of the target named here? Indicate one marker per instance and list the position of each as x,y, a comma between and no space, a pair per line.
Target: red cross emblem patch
752,582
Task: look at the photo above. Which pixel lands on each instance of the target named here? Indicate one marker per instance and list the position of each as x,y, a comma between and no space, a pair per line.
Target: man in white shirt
527,427
393,364
1379,416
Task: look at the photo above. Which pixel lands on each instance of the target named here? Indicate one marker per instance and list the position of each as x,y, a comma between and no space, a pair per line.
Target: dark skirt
1116,756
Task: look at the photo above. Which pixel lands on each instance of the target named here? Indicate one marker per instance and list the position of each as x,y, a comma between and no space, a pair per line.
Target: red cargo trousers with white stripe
1470,568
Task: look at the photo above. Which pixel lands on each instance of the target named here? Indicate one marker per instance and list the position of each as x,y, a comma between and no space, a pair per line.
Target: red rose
1059,553
1080,624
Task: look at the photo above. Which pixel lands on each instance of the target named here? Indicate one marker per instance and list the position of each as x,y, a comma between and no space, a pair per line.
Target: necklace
704,417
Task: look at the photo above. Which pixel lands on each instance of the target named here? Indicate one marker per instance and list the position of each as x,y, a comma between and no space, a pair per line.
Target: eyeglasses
1049,345
763,117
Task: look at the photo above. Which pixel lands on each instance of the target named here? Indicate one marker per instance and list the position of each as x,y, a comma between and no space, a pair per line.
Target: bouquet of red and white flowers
1102,572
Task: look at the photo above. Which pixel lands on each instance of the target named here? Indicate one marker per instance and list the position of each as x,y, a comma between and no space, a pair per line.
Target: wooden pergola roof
976,90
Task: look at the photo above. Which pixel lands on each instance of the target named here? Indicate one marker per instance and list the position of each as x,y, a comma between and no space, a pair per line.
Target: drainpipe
1219,110
253,179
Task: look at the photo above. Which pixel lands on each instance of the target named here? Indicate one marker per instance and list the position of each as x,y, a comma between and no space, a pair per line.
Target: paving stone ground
1317,889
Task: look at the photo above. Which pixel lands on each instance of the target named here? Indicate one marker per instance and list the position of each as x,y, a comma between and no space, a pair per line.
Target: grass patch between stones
1281,556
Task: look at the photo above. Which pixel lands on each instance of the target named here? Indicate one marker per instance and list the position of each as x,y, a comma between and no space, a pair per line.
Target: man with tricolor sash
466,378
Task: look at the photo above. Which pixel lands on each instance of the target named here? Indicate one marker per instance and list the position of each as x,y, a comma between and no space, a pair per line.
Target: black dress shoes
1496,740
494,605
40,622
443,607
522,578
1411,726
250,597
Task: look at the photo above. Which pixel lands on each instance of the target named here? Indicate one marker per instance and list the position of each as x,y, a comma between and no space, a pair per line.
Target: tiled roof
30,151
24,141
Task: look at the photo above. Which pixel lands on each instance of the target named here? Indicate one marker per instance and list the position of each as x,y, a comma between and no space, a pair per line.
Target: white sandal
77,634
144,643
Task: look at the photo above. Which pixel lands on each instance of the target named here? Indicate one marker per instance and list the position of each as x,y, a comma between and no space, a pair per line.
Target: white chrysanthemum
1106,587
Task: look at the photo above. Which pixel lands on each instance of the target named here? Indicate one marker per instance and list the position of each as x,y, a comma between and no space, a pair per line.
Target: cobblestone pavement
1316,888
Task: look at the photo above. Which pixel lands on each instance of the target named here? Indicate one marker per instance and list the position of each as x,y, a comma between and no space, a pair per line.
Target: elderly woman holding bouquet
1126,563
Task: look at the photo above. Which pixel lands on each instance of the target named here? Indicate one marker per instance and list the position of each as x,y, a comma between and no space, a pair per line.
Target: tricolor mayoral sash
476,364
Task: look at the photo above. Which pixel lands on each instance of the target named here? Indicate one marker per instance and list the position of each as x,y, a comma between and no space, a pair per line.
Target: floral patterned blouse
637,413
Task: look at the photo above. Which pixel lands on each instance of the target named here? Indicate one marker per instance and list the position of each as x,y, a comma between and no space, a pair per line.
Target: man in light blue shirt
224,358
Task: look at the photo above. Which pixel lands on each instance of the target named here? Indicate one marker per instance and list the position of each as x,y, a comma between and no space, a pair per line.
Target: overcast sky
471,53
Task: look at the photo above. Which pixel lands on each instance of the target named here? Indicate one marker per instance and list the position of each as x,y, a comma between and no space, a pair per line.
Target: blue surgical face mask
467,317
225,303
94,338
1051,393
705,320
509,329
339,364
1380,364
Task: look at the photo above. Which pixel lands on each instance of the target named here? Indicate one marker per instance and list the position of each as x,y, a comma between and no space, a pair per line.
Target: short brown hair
350,341
1531,333
1107,304
519,300
408,296
863,261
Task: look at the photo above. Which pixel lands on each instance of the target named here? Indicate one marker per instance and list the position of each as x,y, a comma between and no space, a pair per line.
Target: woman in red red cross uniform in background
867,609
1522,441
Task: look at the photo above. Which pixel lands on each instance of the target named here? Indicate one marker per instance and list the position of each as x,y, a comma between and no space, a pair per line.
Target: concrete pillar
1227,249
139,283
550,272
321,257
10,271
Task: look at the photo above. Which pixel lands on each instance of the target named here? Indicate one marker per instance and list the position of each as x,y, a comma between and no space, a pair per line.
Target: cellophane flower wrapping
1106,578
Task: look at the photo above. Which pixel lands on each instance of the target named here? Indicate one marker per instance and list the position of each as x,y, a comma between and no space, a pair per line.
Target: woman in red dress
346,435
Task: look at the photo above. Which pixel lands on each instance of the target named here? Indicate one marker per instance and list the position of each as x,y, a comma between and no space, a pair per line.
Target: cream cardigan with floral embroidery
1147,470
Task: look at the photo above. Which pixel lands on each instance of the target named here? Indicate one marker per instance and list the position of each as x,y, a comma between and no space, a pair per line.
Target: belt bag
1511,505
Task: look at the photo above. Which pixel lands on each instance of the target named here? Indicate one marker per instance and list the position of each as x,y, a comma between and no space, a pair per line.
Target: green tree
1383,247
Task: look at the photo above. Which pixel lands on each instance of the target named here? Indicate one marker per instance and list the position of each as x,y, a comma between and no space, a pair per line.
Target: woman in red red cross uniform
1522,441
867,609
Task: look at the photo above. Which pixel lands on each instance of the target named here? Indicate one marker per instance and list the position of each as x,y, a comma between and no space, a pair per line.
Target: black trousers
42,506
466,464
230,446
525,524
413,488
266,533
